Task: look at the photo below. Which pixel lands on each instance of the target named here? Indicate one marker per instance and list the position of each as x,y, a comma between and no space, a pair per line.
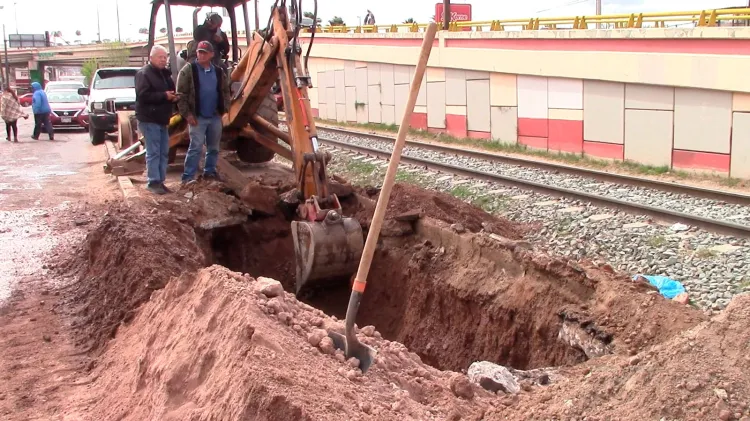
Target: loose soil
167,302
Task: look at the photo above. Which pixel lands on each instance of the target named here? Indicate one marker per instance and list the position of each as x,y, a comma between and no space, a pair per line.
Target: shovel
349,343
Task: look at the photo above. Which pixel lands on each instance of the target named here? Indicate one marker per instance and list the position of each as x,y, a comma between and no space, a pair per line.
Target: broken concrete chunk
409,216
493,377
269,287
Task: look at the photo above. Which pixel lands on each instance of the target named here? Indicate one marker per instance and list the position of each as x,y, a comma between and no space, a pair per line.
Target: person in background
369,18
10,112
41,109
211,31
154,102
204,98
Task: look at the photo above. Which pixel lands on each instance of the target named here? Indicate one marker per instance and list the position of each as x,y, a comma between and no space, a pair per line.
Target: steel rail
722,227
702,192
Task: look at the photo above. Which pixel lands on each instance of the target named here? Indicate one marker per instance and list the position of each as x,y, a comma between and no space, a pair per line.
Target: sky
69,16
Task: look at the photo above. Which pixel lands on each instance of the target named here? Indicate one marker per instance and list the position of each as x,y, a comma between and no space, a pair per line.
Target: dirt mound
212,347
131,253
455,299
700,374
406,199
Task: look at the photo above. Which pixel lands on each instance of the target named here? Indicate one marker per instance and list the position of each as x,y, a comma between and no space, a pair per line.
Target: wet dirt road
50,192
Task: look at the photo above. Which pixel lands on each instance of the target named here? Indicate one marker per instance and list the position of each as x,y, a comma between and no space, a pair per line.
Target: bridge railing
699,18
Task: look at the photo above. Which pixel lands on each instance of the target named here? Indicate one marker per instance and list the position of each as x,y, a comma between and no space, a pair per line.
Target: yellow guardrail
700,18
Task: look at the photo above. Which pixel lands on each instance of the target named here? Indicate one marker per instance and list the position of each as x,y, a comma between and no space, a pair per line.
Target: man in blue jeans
154,103
204,95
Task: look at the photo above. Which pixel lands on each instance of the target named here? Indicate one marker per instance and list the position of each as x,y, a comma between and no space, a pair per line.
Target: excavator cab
327,244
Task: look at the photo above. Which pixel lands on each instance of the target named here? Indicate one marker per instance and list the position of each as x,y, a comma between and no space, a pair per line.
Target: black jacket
151,104
202,33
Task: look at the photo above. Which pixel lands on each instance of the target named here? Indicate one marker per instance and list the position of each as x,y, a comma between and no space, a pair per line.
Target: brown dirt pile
212,347
700,374
131,253
406,198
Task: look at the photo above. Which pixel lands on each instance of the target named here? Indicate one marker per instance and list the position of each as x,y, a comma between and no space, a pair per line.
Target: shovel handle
360,280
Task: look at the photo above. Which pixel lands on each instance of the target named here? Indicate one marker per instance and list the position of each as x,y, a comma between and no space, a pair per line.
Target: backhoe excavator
327,244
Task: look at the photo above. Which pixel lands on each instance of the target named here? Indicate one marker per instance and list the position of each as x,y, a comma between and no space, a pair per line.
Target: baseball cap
205,46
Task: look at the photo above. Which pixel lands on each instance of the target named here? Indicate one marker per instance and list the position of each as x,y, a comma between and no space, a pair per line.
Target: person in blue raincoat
40,107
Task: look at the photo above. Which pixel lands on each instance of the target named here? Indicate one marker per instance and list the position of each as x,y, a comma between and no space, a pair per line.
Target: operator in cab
211,31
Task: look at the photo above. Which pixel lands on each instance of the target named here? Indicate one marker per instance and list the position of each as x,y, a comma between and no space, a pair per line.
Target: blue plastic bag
667,287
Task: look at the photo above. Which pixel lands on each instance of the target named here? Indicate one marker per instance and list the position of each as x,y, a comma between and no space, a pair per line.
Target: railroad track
721,196
709,224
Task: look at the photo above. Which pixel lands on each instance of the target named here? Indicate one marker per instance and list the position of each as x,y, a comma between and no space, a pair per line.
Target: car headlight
97,106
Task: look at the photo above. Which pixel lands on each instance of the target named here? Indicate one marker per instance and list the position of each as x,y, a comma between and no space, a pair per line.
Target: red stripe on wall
315,113
566,136
673,45
535,127
456,125
418,121
700,160
533,142
480,135
603,150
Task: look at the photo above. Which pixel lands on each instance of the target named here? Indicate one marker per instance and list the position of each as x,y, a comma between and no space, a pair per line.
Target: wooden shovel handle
360,280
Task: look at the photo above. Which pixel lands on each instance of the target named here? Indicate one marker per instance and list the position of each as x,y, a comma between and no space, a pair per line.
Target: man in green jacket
203,98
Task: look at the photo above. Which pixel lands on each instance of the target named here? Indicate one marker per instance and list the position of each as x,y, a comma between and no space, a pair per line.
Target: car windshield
114,80
64,97
59,86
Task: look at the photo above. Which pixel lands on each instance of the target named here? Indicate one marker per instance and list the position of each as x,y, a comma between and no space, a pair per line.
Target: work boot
211,177
187,183
166,189
15,140
155,188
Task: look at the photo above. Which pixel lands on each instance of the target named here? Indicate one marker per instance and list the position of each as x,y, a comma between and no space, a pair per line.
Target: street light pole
446,15
598,12
7,66
117,6
98,24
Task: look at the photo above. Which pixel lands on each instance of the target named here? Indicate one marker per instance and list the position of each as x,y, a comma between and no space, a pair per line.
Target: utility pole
446,14
98,24
7,66
598,12
15,13
257,18
117,6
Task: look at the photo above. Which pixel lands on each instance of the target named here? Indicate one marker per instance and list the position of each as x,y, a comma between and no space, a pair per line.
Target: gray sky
68,16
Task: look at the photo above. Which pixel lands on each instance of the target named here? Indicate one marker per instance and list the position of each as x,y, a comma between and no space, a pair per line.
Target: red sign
459,12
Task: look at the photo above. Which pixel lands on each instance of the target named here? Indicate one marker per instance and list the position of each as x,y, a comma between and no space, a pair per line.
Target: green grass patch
406,177
461,192
704,253
657,241
361,168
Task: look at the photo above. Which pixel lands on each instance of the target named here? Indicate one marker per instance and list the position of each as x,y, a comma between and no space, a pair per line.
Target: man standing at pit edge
40,107
154,102
203,98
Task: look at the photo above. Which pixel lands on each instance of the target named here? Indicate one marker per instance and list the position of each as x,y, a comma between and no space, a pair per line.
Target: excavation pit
453,296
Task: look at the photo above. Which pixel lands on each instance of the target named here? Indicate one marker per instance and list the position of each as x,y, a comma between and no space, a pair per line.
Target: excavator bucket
326,252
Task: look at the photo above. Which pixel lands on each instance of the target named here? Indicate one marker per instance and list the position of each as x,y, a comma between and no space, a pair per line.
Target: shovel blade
352,347
326,253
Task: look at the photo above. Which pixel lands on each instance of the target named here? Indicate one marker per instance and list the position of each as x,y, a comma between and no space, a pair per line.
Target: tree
117,55
78,33
337,21
410,20
310,15
178,29
88,69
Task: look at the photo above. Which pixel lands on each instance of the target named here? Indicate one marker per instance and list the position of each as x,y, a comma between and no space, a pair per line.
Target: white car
113,85
63,85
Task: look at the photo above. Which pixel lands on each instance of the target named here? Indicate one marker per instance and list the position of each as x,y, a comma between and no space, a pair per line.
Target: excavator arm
327,244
